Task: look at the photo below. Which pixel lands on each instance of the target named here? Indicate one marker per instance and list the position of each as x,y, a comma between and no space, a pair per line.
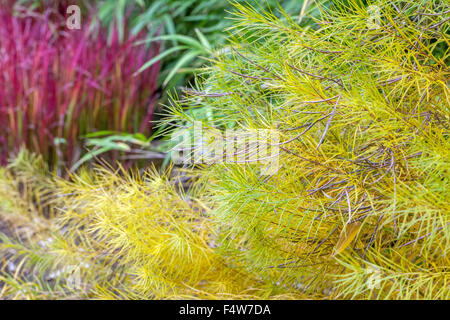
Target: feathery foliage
116,235
360,205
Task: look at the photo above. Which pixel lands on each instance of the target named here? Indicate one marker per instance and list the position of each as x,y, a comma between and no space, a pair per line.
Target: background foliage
191,30
58,86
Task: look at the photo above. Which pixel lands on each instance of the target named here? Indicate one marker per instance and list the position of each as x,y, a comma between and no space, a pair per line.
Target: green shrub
360,205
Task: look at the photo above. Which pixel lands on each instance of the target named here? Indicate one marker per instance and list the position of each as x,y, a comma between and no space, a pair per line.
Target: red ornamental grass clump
58,84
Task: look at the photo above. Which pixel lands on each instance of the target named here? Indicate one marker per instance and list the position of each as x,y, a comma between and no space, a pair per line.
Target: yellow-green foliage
360,205
115,235
26,230
164,236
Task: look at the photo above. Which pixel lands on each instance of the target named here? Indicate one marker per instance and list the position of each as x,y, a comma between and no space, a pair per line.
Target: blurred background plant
189,29
59,84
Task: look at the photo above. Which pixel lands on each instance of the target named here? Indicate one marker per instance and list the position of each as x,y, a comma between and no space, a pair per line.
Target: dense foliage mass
110,236
361,104
359,205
